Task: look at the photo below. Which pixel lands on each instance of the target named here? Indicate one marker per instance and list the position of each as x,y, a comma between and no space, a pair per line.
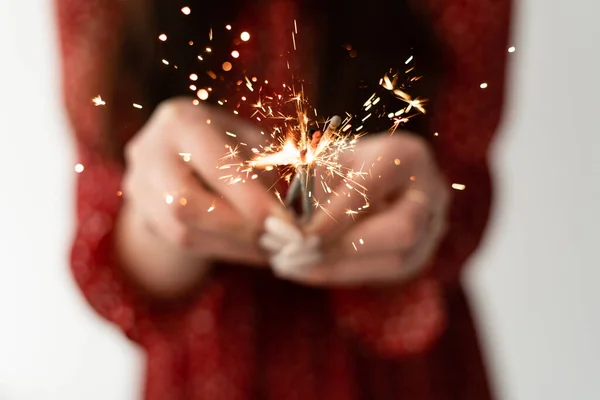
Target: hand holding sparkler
392,241
172,187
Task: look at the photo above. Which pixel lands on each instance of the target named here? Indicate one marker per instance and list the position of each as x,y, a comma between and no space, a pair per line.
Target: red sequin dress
247,335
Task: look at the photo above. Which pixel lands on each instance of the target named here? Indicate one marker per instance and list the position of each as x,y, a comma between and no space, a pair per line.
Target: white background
536,279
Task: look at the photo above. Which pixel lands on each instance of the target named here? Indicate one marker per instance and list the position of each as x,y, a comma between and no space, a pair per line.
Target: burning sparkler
300,155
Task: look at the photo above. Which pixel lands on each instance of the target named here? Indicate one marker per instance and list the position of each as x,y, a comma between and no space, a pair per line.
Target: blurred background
536,279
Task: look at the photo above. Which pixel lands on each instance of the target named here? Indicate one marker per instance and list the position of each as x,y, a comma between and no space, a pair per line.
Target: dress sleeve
473,35
88,33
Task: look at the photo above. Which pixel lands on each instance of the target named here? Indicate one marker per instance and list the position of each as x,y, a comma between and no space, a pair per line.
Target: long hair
355,41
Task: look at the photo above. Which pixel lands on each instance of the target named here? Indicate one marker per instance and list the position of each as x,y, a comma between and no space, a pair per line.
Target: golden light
458,186
245,36
235,54
202,94
483,85
186,10
162,37
187,157
227,66
212,207
79,168
169,199
512,49
193,77
138,106
228,27
98,101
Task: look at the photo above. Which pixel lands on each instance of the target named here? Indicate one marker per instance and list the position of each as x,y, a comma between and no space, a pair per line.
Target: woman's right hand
180,215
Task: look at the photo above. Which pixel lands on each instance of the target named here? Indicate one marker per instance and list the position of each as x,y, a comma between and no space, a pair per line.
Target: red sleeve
473,35
89,32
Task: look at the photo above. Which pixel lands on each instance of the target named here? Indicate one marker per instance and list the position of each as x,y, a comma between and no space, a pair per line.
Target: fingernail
271,243
282,228
290,265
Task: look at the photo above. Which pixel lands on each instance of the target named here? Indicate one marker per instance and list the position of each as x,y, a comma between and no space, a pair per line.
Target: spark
187,157
169,199
288,116
512,49
79,168
458,186
139,107
351,213
162,37
202,94
98,101
212,207
186,10
483,85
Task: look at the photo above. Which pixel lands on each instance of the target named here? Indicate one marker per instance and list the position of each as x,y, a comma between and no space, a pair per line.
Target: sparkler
288,148
305,163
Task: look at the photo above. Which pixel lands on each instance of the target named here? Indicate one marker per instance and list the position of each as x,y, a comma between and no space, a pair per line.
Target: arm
88,32
473,36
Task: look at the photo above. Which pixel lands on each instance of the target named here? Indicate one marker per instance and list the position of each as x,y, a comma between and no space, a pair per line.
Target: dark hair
357,42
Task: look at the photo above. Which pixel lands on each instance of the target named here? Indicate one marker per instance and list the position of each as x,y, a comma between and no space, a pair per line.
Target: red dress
247,335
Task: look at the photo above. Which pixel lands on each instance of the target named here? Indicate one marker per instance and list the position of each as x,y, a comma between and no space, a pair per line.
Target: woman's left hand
388,242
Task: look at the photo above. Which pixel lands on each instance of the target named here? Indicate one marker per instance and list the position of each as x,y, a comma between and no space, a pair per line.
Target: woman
192,287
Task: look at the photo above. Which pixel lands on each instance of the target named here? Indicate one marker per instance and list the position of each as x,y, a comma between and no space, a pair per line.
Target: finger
173,192
377,269
285,230
355,197
298,263
209,246
218,248
398,228
207,147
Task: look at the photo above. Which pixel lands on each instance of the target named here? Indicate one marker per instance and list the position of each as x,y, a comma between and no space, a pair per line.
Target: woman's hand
388,242
180,214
